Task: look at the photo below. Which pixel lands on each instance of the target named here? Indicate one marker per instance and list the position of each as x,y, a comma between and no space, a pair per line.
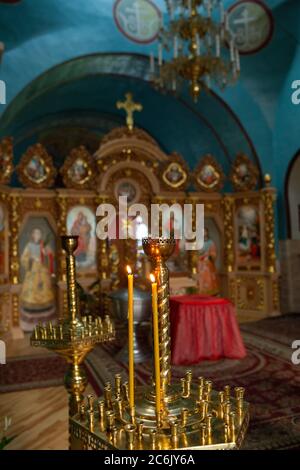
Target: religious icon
251,23
174,175
2,241
79,169
248,250
208,281
178,262
128,189
81,222
138,20
208,174
37,248
244,174
36,168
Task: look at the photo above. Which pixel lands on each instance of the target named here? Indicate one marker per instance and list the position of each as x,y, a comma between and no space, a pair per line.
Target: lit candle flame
128,268
152,278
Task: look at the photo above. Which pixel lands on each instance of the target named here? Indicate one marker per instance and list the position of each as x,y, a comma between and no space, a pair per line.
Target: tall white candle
159,54
171,10
231,50
218,46
209,8
226,21
151,63
198,51
175,47
208,80
237,59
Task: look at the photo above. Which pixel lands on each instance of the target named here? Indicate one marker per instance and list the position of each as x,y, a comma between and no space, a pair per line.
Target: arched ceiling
83,92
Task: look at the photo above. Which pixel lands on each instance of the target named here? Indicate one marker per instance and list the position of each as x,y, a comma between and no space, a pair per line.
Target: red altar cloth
203,327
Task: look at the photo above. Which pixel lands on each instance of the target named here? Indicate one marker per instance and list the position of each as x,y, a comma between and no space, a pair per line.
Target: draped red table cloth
203,327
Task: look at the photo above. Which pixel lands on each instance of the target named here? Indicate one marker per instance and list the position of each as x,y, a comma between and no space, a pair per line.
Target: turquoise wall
44,91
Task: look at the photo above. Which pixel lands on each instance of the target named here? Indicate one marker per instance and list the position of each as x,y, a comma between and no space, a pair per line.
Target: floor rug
272,382
29,372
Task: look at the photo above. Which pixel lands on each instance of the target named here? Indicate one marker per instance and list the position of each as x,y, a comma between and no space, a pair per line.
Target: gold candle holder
71,338
193,415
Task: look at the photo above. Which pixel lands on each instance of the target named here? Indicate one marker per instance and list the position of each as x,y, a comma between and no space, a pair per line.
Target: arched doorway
292,194
290,248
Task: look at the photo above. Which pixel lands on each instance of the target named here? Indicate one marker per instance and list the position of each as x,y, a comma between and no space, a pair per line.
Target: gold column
14,262
69,244
103,255
14,238
269,198
158,251
228,206
61,226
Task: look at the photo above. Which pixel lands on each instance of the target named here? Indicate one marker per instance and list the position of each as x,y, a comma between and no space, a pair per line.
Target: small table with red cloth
203,327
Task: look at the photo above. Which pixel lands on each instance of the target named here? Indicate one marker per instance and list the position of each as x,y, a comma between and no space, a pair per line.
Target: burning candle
156,345
130,338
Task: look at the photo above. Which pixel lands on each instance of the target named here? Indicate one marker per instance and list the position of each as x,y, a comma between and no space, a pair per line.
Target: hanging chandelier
198,48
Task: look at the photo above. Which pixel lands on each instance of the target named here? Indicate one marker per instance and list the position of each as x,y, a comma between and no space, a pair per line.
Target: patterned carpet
29,372
272,382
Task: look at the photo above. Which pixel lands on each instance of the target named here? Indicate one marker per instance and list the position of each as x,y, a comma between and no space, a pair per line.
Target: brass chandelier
198,47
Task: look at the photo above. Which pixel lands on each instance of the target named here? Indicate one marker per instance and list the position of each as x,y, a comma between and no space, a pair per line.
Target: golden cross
130,107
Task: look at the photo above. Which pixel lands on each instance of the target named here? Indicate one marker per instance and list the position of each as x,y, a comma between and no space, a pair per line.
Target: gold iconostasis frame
130,161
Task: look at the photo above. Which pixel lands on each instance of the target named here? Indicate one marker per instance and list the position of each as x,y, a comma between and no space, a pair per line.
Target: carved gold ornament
244,174
208,175
79,169
36,169
6,160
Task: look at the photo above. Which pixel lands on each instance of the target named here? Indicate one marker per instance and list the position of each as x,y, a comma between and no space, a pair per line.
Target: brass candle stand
193,415
74,336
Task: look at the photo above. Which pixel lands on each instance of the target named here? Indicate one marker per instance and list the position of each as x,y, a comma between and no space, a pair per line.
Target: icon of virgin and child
80,225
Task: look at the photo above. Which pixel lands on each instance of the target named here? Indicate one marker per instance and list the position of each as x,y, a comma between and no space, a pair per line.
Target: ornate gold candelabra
73,337
193,415
195,41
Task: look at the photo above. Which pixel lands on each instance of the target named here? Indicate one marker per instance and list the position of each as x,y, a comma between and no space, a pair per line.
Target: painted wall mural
248,249
37,262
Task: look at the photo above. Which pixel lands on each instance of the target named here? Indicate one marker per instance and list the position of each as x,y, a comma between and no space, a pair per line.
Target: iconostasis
237,260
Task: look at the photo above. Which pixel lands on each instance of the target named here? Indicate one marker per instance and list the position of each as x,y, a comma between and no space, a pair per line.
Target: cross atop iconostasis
130,107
